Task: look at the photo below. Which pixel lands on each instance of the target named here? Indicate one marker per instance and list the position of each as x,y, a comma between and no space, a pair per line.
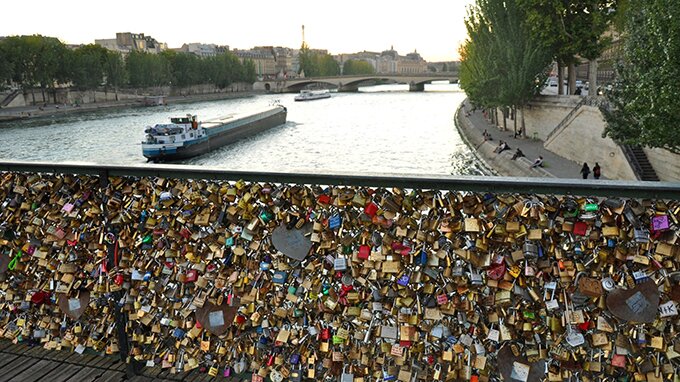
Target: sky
434,28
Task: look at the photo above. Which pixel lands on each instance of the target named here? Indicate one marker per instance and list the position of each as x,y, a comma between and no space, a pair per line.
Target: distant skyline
435,29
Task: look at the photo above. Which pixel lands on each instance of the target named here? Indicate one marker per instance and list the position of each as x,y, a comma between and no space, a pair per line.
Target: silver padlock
340,264
346,376
475,277
530,250
276,376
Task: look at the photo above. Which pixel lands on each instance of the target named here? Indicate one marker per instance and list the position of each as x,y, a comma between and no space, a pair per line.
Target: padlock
346,375
530,250
296,375
340,264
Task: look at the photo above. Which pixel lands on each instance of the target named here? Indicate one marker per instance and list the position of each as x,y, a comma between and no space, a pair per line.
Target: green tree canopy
6,66
570,28
314,64
351,67
644,99
502,64
146,69
87,67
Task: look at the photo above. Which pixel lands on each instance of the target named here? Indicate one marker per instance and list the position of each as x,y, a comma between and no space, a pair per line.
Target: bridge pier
347,88
414,87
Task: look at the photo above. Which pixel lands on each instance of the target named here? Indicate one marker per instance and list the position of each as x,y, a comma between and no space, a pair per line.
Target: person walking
596,171
585,170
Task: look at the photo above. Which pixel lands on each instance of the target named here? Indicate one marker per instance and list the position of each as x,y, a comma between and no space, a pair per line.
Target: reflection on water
381,129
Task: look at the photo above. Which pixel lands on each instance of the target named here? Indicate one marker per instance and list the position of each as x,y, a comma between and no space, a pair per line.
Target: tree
644,107
146,69
6,66
352,67
328,66
87,67
568,28
249,72
114,70
502,64
478,75
308,62
51,55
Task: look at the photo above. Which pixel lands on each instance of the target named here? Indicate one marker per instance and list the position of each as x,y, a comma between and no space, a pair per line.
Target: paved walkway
472,127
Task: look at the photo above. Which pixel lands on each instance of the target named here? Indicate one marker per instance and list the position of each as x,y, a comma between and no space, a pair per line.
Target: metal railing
482,184
632,161
9,98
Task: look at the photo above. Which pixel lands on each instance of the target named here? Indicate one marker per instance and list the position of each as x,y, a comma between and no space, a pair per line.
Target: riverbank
471,126
51,110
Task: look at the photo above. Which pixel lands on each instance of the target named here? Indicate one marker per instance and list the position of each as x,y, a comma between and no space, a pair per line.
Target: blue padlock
335,221
279,277
179,333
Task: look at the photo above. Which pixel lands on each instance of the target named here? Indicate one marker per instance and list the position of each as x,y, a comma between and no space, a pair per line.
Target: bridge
351,83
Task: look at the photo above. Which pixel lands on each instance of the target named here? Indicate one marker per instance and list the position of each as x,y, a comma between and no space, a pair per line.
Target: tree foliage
6,67
570,28
87,66
502,64
31,61
315,64
644,99
351,67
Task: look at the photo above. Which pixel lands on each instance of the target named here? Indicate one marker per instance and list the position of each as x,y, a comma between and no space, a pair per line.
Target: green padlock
591,207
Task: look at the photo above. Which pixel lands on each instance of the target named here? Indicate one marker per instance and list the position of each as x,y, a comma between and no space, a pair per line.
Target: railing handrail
566,119
633,189
632,160
10,97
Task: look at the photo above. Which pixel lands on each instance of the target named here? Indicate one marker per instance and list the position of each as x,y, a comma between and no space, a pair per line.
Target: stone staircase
640,164
9,98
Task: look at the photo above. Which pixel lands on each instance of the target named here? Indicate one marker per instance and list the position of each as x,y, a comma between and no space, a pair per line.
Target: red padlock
324,199
191,276
118,279
496,271
364,252
371,209
325,334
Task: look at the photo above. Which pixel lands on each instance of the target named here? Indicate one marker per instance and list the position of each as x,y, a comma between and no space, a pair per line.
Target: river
381,129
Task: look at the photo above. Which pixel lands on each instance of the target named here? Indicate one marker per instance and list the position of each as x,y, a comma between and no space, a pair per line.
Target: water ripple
366,132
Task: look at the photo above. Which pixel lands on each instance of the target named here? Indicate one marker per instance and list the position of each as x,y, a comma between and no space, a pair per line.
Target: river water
381,129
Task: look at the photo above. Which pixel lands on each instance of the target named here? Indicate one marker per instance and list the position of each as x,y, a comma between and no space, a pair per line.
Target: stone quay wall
580,139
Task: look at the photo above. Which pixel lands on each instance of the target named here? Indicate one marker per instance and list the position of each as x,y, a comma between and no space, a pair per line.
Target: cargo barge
186,137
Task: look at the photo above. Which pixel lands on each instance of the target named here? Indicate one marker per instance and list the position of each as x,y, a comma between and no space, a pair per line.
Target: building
203,50
411,63
272,62
262,57
127,42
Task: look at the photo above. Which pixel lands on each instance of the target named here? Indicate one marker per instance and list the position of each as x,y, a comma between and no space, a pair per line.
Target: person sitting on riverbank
517,154
486,135
538,162
502,146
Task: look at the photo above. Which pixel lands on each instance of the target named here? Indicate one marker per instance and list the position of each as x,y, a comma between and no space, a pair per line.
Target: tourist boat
186,137
309,95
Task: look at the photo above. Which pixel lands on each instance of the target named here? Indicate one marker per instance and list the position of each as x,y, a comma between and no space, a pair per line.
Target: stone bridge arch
416,82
